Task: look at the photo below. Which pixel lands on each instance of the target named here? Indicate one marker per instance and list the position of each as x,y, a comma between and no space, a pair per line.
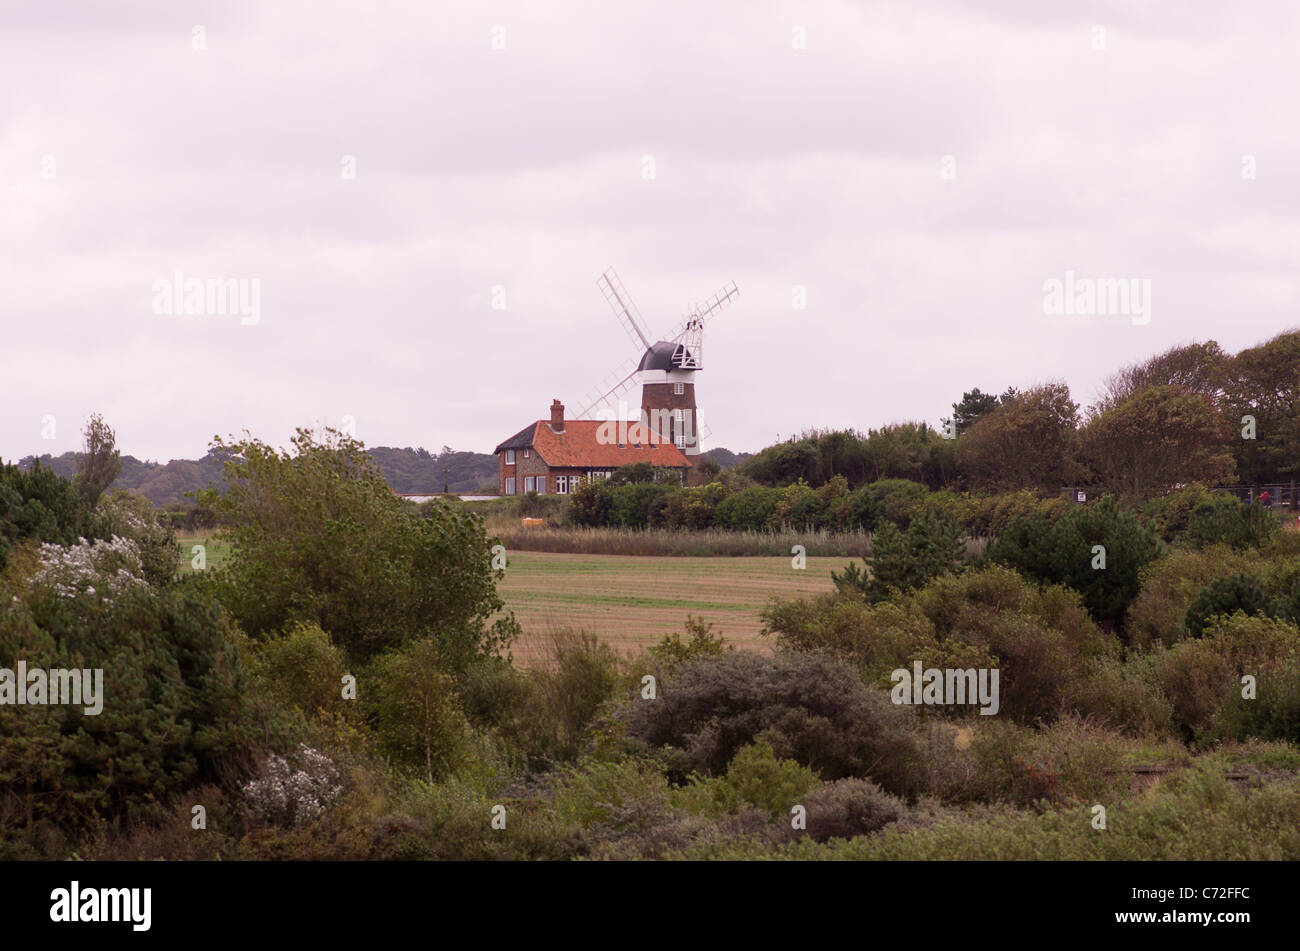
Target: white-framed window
679,389
561,485
510,457
510,485
541,485
530,484
526,453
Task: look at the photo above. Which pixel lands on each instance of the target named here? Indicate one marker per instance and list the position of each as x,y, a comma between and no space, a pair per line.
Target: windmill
666,368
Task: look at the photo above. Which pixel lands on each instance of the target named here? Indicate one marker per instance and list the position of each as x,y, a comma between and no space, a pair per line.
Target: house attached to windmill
552,456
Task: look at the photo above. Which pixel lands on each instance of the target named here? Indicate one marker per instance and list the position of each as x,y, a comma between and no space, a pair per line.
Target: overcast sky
793,144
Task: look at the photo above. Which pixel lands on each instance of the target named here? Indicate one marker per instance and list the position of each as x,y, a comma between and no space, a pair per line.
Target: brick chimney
557,416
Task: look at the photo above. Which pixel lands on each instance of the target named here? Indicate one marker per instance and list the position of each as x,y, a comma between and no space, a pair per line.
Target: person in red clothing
1263,498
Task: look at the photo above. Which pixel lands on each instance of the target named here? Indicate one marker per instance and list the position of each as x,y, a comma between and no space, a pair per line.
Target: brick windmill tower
666,370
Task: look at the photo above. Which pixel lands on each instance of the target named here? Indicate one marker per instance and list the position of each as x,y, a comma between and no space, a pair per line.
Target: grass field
631,601
681,543
215,552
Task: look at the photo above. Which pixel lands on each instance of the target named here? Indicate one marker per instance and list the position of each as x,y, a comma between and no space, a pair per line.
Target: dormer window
510,457
525,453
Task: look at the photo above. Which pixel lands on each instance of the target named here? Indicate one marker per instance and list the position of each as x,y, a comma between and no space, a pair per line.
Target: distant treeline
406,470
1194,413
160,483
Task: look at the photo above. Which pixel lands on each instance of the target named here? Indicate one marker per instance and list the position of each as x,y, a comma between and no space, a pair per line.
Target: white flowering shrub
103,568
134,517
291,794
128,522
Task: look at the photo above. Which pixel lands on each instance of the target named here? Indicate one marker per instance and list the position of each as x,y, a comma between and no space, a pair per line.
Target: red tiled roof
582,445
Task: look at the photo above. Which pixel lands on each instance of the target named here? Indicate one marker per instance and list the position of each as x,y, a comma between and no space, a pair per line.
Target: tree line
1194,413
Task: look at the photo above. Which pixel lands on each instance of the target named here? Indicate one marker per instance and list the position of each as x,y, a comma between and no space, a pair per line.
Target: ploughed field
631,601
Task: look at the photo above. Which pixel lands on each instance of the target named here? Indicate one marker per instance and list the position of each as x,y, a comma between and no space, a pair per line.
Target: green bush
1068,762
581,674
689,508
495,694
1221,520
452,821
1043,639
1172,512
1168,587
877,638
1124,696
970,606
319,537
756,776
898,500
815,457
417,720
798,508
845,809
808,709
1194,816
833,505
1065,551
749,509
599,793
1040,639
301,668
637,472
177,706
1225,596
589,503
987,515
1283,545
1251,644
1202,677
1196,678
671,651
861,509
42,505
133,516
932,546
532,505
1273,713
630,505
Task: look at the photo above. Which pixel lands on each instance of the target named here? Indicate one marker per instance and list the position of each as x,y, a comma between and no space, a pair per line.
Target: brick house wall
532,466
520,469
505,471
556,473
